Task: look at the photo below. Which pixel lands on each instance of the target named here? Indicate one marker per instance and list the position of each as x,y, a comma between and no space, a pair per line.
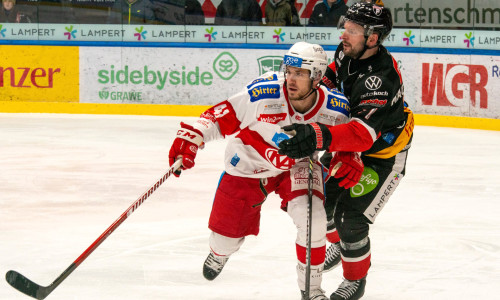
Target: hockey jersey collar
320,99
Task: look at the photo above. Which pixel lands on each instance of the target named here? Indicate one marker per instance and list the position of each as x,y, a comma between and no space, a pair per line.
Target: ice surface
64,179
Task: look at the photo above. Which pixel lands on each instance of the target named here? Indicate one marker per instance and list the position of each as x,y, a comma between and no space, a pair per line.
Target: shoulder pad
338,103
264,78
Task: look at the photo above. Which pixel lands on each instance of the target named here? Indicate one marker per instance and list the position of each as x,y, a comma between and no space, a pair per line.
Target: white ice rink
64,179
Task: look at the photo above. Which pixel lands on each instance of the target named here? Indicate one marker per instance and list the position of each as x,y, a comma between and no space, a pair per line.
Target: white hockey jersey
251,121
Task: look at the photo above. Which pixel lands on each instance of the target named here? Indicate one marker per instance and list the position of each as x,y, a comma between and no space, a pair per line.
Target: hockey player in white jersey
251,122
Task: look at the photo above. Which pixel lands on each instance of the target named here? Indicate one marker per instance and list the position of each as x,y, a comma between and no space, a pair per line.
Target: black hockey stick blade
26,286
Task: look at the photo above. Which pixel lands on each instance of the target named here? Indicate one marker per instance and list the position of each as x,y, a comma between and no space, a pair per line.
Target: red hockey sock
317,254
333,237
357,267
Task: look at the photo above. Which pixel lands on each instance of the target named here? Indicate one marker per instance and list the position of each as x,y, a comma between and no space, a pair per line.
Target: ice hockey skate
332,257
350,290
317,294
213,265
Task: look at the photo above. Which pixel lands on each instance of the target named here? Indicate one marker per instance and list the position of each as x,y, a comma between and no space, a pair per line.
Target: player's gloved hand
307,138
347,165
185,145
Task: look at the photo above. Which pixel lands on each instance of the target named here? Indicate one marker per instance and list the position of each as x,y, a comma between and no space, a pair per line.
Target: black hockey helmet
373,18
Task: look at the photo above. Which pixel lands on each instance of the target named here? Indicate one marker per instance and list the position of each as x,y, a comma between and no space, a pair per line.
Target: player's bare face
298,82
353,39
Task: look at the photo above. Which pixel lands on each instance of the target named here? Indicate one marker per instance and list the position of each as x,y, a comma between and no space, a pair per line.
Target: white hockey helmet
307,56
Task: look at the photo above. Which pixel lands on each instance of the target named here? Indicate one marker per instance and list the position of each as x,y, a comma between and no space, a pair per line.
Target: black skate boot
213,265
332,257
317,294
350,290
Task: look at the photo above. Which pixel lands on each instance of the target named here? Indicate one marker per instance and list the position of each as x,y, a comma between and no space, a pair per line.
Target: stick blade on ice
26,286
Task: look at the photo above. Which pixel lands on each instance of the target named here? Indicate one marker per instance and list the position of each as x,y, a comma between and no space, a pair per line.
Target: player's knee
351,229
297,209
318,220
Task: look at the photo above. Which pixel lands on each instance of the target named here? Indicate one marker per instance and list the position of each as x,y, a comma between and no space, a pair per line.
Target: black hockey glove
307,138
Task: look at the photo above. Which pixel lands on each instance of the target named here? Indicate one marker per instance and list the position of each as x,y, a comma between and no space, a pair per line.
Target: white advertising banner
453,85
442,84
209,34
168,75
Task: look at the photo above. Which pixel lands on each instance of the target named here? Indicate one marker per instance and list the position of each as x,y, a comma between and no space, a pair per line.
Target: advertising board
454,85
39,73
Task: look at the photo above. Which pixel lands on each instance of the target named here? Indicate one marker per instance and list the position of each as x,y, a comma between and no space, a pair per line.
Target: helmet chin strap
365,47
312,90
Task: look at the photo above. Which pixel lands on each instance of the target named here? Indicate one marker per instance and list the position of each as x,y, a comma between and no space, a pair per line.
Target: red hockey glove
351,167
185,145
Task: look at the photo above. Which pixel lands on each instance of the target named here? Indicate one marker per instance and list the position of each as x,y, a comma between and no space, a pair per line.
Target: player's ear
373,39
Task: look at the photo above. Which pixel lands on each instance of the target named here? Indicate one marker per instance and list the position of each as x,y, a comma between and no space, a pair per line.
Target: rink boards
439,87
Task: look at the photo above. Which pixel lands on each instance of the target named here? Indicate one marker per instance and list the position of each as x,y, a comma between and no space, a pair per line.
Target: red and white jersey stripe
251,121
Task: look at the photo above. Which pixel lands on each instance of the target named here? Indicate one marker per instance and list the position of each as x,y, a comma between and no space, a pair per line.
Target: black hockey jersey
374,88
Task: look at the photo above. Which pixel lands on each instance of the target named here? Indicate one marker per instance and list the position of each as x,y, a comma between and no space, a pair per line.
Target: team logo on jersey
270,78
264,91
338,104
373,83
281,162
272,118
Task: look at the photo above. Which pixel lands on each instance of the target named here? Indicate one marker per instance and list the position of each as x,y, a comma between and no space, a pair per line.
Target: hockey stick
28,287
309,227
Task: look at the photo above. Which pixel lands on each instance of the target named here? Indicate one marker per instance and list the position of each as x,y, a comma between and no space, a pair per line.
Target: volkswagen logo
373,83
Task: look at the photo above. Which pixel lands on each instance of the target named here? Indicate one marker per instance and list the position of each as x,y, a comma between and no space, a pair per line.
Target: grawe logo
279,36
140,33
103,95
2,31
409,38
70,32
130,96
454,85
469,41
269,63
210,34
226,65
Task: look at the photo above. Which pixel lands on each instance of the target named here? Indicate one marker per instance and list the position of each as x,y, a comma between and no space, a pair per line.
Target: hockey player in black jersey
381,128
